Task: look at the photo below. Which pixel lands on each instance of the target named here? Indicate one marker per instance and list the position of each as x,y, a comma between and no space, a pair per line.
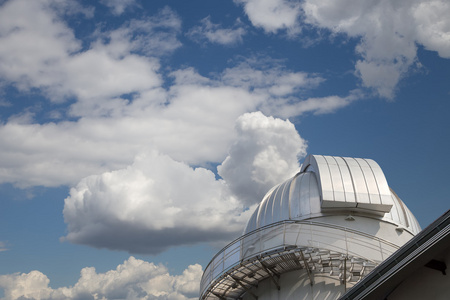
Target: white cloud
191,122
121,105
118,6
158,202
150,36
156,35
268,77
35,154
316,106
69,8
273,15
388,31
213,33
151,205
265,153
134,279
33,43
38,50
281,89
108,76
433,25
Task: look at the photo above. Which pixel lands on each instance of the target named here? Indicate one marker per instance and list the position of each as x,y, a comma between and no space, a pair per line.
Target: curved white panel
382,184
359,182
314,195
372,189
336,180
328,185
296,207
346,180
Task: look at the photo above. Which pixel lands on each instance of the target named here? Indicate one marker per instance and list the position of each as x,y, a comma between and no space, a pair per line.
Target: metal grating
270,265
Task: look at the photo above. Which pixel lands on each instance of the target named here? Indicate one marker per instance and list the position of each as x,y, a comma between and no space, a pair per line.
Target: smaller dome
328,185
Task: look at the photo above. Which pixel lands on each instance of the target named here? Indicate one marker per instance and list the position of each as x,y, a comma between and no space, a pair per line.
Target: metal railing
311,234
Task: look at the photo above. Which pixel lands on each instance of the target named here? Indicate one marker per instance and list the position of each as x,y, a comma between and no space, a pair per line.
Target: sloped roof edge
411,256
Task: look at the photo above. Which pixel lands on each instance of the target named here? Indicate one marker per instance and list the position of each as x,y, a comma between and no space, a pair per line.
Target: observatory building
313,236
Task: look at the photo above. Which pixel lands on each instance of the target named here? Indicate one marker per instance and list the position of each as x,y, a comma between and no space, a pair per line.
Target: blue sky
136,137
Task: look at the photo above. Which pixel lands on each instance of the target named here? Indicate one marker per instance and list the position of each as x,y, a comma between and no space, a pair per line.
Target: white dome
315,234
328,185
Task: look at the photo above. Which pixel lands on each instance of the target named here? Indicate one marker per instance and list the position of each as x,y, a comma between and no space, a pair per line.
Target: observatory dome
330,185
314,235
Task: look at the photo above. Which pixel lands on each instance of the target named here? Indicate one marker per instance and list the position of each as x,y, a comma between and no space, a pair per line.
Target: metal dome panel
328,184
350,182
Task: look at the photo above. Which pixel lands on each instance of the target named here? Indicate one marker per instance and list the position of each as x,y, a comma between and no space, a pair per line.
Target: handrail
217,260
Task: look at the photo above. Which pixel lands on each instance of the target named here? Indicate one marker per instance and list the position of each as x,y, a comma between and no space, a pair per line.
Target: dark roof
418,252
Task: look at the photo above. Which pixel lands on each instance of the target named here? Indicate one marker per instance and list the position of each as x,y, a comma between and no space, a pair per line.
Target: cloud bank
110,100
158,202
134,279
40,51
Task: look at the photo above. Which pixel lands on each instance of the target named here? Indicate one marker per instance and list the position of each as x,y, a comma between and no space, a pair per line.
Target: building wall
425,283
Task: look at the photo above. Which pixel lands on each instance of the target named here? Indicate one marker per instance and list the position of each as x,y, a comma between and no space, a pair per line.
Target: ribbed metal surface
327,184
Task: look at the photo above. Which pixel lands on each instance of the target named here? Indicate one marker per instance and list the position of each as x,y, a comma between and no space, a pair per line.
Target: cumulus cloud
214,33
265,153
121,104
388,31
33,40
154,203
158,202
273,15
134,279
192,122
196,127
433,25
38,50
